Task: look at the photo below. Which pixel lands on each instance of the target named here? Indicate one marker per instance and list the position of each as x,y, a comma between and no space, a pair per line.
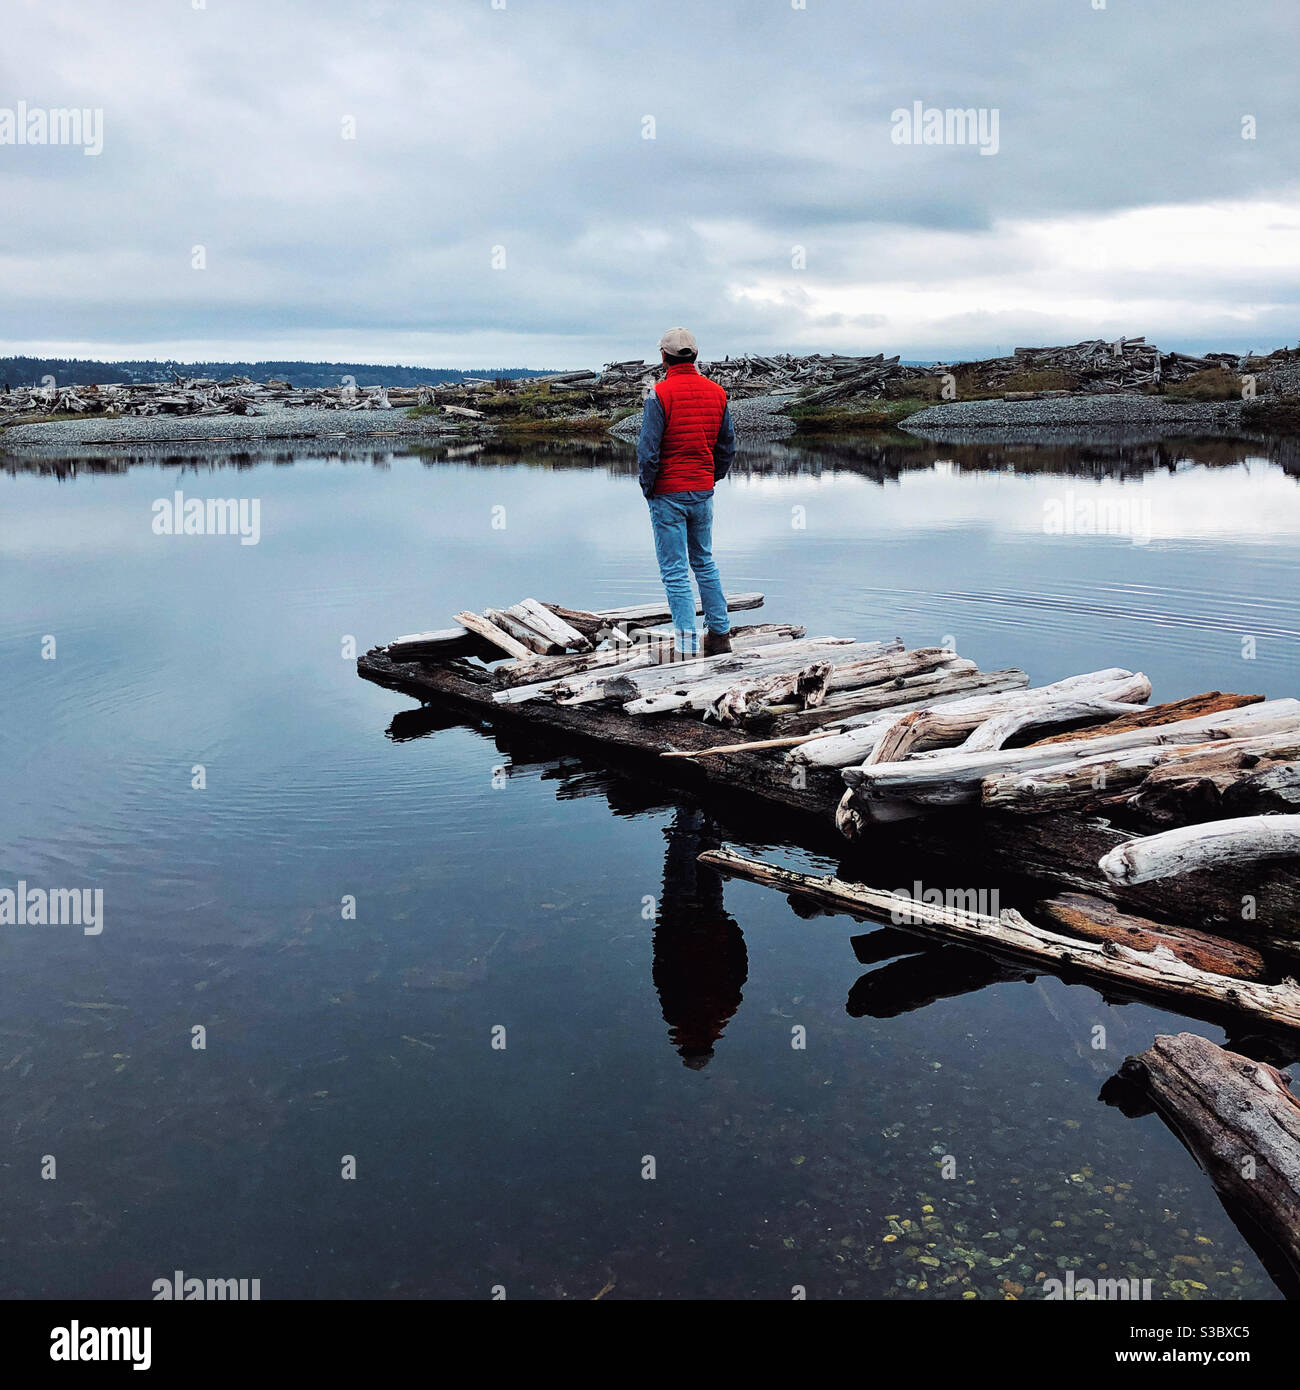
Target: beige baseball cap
677,341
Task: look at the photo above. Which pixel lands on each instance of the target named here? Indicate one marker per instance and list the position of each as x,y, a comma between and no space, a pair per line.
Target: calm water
502,884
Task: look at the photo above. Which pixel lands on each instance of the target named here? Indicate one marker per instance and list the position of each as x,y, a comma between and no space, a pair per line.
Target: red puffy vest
693,409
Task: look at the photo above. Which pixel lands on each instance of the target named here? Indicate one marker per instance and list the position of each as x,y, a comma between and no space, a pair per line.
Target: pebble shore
1074,410
294,422
754,418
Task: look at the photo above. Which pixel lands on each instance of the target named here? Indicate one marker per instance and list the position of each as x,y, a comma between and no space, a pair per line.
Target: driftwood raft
1058,786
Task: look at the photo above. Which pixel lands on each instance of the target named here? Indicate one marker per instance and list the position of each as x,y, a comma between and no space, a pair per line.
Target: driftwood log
951,779
1192,707
1157,973
1239,1120
1188,848
1155,780
849,735
987,722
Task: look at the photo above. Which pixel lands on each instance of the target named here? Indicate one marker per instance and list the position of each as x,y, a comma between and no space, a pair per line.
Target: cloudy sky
470,182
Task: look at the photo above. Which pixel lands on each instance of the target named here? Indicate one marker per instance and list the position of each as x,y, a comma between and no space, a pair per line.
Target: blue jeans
683,528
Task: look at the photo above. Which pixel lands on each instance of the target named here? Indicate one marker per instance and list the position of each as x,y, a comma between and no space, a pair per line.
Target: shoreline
759,417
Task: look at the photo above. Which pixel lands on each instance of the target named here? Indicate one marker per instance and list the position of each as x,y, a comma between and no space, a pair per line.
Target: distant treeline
73,371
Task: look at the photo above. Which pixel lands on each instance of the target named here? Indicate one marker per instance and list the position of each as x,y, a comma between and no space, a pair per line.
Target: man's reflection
700,964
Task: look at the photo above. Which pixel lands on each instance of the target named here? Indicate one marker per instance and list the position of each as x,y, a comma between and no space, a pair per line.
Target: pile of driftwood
816,379
1096,366
199,396
823,377
772,670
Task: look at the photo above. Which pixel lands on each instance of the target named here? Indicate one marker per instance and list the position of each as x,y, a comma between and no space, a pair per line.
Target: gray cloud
522,128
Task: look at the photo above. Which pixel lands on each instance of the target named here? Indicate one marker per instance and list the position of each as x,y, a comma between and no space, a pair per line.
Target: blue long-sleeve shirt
652,435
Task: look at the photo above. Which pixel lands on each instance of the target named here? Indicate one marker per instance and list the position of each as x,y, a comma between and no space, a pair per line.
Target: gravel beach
1072,410
296,422
755,418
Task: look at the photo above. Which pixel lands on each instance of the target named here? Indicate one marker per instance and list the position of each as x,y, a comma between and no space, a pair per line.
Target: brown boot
715,643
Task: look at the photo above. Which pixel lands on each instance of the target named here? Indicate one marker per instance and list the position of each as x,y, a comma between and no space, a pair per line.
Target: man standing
687,444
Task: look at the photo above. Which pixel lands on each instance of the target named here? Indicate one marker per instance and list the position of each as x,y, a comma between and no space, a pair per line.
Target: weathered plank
488,630
549,624
1211,702
523,632
1082,914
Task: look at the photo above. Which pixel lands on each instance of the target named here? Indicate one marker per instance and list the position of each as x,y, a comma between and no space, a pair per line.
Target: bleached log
673,678
1238,1119
523,632
694,692
1191,707
898,731
543,672
492,633
1188,848
806,686
1059,786
854,680
1010,936
542,620
863,670
854,709
941,727
581,680
951,779
995,732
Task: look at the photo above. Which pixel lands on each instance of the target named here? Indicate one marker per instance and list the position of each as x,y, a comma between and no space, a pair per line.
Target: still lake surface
503,884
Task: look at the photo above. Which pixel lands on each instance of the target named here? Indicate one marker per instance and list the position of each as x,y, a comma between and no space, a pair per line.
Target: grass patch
556,426
1048,379
1213,384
